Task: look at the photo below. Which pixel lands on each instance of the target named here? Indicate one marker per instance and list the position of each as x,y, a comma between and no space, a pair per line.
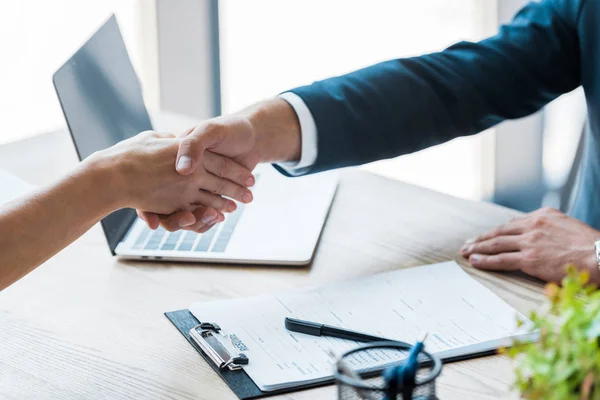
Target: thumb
191,148
150,218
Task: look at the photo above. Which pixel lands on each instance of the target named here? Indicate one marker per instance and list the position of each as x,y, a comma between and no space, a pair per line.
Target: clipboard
236,378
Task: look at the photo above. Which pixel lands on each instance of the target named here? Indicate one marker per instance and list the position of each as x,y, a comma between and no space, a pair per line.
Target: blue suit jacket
405,105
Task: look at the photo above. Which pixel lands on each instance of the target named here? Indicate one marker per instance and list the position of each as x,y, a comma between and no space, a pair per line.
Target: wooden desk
86,325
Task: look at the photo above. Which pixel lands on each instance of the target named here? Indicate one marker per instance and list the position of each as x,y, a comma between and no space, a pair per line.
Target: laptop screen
101,99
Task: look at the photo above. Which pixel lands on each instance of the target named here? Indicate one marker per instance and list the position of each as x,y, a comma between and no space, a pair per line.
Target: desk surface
86,325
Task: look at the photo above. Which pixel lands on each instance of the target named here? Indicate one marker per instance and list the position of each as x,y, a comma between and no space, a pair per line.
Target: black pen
316,329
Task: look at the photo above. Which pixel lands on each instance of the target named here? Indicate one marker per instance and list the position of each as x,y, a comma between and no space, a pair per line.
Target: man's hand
266,132
540,244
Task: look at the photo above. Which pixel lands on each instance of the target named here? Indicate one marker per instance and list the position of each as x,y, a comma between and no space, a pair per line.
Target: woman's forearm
138,173
37,226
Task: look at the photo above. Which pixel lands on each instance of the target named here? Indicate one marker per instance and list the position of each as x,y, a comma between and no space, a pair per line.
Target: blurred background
206,57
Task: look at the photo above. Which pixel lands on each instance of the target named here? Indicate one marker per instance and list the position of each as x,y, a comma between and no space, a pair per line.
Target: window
36,38
268,46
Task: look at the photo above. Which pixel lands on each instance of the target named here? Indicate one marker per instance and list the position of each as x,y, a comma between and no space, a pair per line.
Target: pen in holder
411,379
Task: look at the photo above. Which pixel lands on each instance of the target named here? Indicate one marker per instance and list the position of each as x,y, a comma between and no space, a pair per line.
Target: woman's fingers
177,221
151,219
199,220
226,168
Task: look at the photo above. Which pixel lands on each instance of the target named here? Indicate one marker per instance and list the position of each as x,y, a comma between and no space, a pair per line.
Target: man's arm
405,105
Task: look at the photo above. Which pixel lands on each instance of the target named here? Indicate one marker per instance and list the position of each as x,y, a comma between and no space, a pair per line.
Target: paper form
461,316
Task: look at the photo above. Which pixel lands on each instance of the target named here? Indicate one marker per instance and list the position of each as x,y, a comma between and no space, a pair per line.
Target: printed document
460,315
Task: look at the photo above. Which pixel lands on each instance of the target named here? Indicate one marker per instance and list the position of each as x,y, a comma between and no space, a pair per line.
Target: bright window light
36,38
268,46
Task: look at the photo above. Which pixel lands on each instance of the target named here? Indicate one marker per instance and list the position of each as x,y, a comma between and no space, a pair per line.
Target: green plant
565,362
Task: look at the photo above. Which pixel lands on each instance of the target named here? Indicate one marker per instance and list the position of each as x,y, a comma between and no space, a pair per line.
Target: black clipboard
241,384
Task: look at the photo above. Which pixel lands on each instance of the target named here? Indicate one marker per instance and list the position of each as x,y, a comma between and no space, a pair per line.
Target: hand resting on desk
540,244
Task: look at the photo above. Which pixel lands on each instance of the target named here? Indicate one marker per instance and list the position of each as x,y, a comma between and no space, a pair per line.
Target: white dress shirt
308,130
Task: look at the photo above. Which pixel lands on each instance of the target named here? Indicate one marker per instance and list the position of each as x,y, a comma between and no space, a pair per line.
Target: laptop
101,99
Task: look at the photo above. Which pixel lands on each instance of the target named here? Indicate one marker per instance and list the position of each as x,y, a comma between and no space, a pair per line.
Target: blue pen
404,375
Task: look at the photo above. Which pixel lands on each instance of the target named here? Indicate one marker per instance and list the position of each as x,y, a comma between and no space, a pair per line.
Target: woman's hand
540,244
142,174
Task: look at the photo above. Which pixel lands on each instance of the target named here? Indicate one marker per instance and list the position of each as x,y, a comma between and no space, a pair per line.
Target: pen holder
356,384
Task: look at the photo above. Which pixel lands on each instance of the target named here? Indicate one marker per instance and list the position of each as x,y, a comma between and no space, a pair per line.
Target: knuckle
238,192
491,260
214,125
536,236
532,254
192,141
216,202
223,167
189,142
221,187
213,128
539,222
206,199
497,259
495,232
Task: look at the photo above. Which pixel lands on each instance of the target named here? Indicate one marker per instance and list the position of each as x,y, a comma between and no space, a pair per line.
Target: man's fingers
225,187
495,245
151,219
515,227
224,167
204,198
502,262
206,218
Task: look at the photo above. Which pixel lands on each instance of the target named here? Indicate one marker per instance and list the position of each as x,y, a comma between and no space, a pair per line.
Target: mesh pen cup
372,385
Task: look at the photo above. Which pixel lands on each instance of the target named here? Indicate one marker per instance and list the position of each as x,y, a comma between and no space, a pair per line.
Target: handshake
189,181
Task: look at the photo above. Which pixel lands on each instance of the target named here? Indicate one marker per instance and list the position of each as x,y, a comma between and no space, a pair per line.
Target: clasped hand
227,149
199,178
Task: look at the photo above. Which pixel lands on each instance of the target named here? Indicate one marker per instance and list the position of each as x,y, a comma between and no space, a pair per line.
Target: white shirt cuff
308,130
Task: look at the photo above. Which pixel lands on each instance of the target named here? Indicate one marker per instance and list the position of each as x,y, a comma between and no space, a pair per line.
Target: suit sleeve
401,106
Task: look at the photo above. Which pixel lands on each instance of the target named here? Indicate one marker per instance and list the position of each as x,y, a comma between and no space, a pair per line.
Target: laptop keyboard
215,240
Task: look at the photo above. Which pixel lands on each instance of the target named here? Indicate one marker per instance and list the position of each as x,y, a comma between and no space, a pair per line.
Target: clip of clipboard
234,375
205,335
